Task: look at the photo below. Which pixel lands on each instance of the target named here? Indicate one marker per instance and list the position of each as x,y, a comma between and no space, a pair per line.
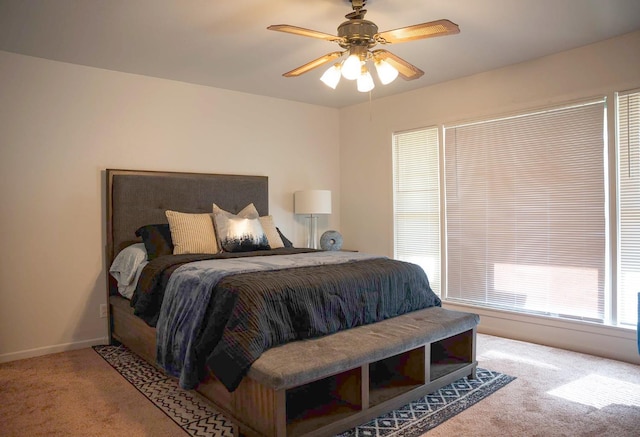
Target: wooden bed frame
429,357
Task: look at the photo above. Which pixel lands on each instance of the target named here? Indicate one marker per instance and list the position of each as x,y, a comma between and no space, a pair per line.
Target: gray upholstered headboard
138,198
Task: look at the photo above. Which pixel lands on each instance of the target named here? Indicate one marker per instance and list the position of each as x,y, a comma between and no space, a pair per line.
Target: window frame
611,210
617,283
431,249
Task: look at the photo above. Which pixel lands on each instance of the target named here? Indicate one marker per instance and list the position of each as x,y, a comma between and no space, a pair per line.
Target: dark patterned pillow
240,233
285,240
156,239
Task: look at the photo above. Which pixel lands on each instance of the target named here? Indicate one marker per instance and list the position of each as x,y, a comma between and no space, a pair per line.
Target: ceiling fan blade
406,70
418,31
304,32
313,64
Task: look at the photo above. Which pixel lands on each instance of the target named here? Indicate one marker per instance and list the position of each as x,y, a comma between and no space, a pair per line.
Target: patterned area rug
198,417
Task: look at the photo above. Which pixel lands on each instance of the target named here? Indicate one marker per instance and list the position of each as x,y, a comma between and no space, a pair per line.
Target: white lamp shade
386,72
312,202
365,82
331,77
351,67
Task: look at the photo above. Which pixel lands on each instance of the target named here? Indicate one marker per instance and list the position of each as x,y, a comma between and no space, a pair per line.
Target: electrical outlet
103,311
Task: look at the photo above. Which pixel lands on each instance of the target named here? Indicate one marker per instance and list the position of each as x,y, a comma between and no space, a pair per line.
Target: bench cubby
450,354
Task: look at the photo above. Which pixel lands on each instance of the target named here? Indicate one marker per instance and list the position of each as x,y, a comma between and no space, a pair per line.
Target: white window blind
628,116
416,187
525,211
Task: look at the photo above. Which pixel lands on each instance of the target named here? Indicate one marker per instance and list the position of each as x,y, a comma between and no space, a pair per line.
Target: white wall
366,162
62,125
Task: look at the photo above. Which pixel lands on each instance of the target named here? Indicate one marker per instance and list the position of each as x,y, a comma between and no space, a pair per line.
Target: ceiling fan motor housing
357,33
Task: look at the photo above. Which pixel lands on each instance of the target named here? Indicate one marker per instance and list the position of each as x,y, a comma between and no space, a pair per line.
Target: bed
322,376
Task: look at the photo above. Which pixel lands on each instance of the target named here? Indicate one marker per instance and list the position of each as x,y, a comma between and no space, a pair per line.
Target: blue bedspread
220,315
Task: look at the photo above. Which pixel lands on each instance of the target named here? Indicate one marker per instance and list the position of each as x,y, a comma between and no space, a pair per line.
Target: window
526,212
416,189
628,148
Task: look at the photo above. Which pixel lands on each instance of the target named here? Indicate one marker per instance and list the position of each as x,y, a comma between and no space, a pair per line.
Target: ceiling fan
357,37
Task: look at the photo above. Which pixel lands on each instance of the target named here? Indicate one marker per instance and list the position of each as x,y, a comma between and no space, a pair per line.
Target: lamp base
312,236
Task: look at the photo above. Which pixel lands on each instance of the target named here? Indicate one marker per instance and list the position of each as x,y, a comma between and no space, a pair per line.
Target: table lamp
312,203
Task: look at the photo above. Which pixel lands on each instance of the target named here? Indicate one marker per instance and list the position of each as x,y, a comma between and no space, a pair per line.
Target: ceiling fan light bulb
386,72
351,67
331,77
365,82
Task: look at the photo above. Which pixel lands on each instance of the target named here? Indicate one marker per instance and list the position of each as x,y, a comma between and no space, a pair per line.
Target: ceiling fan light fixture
351,67
358,37
386,72
365,81
331,77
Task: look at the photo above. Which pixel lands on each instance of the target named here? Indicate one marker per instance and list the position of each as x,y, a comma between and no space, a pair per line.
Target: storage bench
327,385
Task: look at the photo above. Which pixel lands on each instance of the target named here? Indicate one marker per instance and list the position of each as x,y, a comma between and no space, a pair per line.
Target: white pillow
269,228
250,212
127,265
239,233
128,290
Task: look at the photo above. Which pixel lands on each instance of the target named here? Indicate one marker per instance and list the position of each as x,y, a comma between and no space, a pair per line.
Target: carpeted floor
556,393
198,418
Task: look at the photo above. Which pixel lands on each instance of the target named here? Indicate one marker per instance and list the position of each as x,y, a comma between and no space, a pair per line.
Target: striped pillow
192,233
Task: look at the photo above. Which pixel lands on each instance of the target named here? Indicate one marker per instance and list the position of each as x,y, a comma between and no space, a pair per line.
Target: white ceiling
225,43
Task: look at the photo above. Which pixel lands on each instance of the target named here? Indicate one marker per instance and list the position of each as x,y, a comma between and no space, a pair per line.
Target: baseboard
46,350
